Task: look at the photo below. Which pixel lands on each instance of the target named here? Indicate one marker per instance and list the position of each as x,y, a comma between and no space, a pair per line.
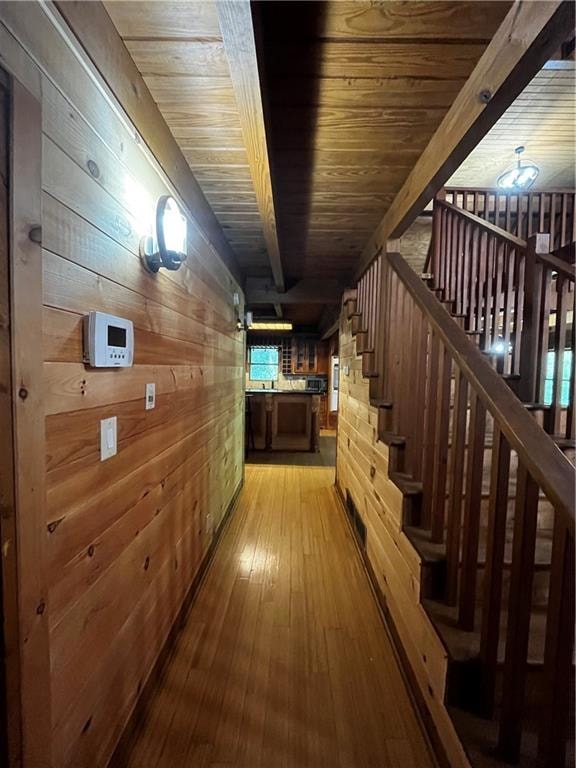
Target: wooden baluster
409,373
554,721
495,545
488,288
388,332
544,333
480,287
509,305
441,445
454,515
552,229
447,255
519,610
531,316
472,507
454,259
471,323
519,310
507,220
371,308
397,384
570,431
564,222
421,345
437,242
544,198
464,276
531,227
499,258
430,430
459,267
559,347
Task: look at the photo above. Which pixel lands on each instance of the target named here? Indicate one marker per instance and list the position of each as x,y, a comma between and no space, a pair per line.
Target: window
264,362
549,380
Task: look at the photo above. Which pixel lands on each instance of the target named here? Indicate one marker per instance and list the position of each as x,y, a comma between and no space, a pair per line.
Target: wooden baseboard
435,743
122,751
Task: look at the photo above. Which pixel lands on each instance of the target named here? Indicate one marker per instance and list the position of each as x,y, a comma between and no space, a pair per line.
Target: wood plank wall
362,470
125,537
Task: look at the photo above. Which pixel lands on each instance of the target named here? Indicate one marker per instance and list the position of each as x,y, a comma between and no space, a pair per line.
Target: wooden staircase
484,457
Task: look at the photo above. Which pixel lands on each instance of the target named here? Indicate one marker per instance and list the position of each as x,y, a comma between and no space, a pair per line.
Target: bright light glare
498,348
518,178
175,227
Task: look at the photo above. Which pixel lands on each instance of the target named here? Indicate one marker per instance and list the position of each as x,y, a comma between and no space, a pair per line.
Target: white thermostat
108,341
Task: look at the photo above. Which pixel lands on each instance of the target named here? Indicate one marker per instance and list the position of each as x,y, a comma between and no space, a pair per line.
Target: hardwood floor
283,661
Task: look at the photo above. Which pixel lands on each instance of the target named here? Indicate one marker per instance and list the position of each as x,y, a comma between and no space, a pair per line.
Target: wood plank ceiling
354,91
178,48
543,120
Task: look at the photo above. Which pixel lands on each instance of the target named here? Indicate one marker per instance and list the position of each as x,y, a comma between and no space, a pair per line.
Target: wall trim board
135,717
93,28
29,436
435,743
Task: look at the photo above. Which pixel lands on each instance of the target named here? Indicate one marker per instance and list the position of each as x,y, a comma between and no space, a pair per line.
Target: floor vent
356,519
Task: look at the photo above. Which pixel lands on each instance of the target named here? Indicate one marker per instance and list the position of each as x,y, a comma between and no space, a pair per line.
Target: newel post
531,316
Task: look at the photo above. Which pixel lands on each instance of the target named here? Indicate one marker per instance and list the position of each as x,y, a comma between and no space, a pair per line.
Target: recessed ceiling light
270,325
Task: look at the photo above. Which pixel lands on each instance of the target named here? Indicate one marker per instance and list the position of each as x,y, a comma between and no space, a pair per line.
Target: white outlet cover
150,396
108,438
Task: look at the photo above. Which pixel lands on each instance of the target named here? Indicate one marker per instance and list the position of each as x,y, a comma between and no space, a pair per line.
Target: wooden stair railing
522,214
439,399
517,300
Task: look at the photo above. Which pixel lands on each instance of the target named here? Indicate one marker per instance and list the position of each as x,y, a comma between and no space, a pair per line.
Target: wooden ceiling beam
237,29
307,291
527,37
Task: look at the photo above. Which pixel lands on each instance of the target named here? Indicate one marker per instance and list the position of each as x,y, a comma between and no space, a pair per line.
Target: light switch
108,438
150,396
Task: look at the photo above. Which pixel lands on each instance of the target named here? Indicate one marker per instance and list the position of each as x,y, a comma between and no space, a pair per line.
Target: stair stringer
371,471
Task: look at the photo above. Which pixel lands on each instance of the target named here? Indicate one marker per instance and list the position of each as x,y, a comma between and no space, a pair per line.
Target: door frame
23,532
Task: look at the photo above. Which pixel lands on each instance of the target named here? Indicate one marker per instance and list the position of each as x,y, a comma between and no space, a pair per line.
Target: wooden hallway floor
283,661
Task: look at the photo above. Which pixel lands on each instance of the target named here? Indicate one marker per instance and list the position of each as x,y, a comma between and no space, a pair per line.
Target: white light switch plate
150,396
108,438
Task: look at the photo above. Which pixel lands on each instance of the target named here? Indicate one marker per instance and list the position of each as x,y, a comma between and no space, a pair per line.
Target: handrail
537,451
502,234
498,191
553,262
549,260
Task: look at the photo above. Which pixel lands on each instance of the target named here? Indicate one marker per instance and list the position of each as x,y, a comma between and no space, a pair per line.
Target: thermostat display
108,341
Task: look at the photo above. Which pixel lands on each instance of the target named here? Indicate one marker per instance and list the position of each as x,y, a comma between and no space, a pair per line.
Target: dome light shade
169,248
520,176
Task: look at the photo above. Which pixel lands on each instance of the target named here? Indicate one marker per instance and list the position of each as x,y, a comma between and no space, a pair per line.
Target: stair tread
380,403
406,483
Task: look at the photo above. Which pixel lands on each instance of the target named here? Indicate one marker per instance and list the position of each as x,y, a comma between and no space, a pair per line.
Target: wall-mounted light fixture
520,176
168,249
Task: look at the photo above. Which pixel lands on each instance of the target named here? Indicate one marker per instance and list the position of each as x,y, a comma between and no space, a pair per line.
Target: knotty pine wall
124,537
362,470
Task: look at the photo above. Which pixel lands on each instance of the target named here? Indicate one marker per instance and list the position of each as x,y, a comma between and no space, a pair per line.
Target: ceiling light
520,176
270,325
169,248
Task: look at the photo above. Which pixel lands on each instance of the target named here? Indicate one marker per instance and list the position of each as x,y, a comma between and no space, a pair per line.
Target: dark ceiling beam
236,25
528,36
308,291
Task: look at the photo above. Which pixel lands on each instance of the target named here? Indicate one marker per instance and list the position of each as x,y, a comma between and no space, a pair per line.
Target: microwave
316,384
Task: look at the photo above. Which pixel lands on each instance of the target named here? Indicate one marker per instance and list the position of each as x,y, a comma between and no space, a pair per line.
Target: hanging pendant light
520,176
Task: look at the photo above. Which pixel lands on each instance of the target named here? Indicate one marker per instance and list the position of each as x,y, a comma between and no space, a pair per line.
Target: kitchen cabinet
304,357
